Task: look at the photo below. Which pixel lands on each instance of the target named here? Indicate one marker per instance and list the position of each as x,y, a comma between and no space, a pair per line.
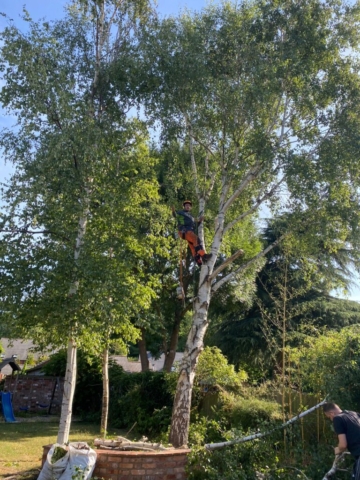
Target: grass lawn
21,443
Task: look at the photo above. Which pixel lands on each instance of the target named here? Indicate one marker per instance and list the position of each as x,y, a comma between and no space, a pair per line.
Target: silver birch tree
265,95
80,164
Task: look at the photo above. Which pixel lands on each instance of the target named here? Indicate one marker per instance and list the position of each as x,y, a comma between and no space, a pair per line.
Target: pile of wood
122,443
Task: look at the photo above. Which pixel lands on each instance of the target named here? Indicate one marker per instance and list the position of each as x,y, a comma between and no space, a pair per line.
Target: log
122,443
338,459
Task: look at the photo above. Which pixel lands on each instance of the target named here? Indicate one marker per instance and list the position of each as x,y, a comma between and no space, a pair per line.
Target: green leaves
78,210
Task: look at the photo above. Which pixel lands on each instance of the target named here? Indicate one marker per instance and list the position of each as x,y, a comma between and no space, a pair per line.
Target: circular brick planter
137,465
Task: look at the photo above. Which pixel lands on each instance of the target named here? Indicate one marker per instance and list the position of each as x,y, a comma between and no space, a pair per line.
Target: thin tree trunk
170,354
143,353
105,396
68,395
71,365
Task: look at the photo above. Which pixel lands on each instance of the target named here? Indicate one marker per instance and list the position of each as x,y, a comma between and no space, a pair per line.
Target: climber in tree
186,230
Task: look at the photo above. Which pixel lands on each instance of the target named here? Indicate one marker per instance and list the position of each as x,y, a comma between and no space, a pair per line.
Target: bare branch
216,446
208,149
256,205
226,263
275,118
250,176
232,274
236,156
211,186
338,459
192,156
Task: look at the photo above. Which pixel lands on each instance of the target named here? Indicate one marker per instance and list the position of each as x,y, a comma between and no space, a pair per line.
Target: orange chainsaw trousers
197,250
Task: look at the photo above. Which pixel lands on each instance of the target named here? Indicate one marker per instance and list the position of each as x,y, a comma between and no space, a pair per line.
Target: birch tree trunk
105,395
182,403
68,395
70,379
71,365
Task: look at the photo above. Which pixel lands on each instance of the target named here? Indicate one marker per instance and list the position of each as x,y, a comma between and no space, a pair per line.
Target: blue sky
54,9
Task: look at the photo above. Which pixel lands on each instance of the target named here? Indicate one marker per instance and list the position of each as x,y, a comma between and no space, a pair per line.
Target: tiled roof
20,348
133,367
158,364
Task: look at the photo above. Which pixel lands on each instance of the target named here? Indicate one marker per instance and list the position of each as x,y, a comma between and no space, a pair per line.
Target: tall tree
266,97
314,271
83,185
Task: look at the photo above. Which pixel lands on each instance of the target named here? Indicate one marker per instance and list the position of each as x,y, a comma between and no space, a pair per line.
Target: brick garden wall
123,465
32,391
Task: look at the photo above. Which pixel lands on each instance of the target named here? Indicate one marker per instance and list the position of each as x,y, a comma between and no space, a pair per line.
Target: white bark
194,345
105,395
249,177
259,201
215,446
182,401
68,395
246,265
122,443
227,262
338,459
71,365
70,378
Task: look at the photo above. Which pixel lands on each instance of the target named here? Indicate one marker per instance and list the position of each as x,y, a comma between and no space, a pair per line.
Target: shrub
248,413
267,456
143,398
88,392
330,366
213,369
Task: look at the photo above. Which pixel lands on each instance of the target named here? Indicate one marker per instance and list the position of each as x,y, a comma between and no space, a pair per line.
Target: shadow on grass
17,431
25,475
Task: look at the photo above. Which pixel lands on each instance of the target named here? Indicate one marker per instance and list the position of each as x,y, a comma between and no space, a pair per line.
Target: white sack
81,464
53,471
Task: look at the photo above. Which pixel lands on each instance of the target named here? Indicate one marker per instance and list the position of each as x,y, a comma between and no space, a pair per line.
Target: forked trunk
68,395
105,396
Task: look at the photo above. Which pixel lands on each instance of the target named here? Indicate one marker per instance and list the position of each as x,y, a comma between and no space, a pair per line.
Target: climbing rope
180,289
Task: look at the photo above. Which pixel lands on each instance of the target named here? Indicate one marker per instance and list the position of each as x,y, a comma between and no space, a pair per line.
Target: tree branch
216,446
227,262
228,277
256,205
251,175
192,156
338,459
202,144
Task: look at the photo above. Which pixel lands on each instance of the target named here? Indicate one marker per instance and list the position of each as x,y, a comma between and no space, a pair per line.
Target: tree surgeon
186,230
347,427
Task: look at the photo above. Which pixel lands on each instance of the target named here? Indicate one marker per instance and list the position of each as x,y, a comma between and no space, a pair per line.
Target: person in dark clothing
186,230
347,427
